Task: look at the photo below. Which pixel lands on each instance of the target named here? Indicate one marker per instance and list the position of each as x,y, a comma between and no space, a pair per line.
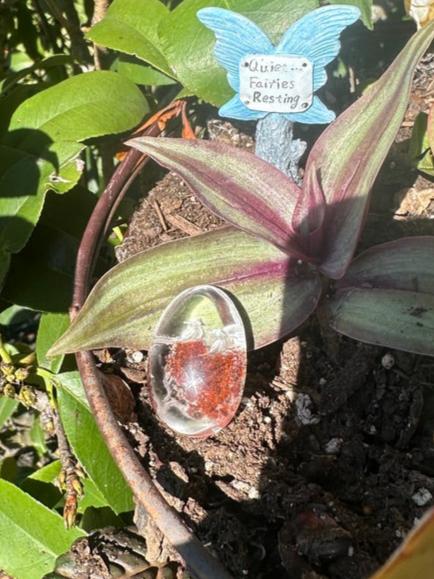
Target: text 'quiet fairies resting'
274,83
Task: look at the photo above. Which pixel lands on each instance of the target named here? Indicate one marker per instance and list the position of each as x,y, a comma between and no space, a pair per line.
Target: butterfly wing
236,37
316,36
316,114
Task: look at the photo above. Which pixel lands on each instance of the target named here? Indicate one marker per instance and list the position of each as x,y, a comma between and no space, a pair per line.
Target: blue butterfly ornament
282,78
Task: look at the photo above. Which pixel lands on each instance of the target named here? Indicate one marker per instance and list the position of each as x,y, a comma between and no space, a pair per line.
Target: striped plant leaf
350,152
243,189
274,295
398,319
387,296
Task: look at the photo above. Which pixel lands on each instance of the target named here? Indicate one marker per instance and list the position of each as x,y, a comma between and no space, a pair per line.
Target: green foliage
365,7
49,259
84,106
41,149
188,45
140,73
51,327
33,536
131,26
89,446
57,115
177,44
7,408
421,153
407,318
41,485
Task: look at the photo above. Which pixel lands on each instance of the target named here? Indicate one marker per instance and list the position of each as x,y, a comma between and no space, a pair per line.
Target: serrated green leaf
131,26
123,308
33,535
189,46
51,327
88,444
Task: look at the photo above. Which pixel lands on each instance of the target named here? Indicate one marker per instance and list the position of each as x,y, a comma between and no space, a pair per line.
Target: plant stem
275,144
100,8
72,485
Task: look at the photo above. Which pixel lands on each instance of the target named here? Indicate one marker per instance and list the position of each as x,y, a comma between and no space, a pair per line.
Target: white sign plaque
276,83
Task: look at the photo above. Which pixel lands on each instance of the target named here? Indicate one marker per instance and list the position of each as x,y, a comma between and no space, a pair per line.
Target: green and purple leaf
397,319
274,294
350,152
308,217
387,296
404,264
241,188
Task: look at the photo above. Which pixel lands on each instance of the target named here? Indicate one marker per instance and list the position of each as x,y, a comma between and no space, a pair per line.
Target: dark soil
330,459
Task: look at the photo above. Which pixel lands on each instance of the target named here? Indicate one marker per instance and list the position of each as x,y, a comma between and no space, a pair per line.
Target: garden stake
275,85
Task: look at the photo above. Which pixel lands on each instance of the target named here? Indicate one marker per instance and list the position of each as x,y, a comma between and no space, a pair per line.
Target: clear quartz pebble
197,362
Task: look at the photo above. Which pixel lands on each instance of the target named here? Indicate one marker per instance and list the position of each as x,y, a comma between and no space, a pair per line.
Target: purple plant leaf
404,264
274,293
387,296
235,184
308,216
349,154
386,317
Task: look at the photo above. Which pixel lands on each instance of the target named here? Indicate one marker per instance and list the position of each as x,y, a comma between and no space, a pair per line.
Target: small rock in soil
422,497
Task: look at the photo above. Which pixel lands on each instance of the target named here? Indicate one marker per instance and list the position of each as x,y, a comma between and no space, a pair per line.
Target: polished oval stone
197,362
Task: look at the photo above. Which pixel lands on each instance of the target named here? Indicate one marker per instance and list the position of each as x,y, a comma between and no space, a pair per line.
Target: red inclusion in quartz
210,383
